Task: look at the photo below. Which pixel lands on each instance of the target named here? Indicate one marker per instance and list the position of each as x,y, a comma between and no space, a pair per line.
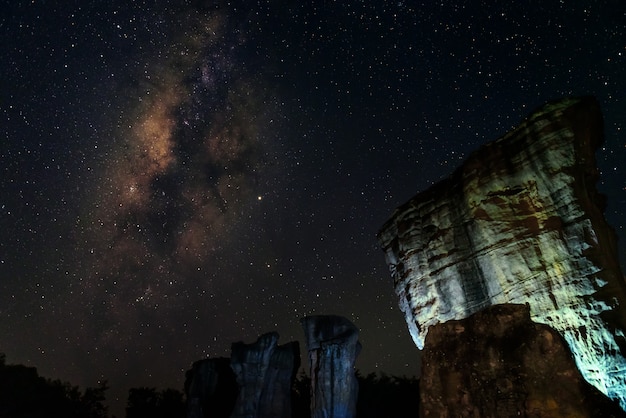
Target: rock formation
498,363
265,374
276,397
520,222
333,346
211,389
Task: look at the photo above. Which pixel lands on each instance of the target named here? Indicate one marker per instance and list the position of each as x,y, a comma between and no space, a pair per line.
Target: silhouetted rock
211,389
520,222
332,343
276,398
499,363
265,374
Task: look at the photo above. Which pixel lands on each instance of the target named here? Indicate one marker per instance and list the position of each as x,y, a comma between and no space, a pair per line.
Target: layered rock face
498,363
265,374
333,346
520,222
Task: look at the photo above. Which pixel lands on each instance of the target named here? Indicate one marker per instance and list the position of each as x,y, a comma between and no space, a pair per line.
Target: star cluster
178,176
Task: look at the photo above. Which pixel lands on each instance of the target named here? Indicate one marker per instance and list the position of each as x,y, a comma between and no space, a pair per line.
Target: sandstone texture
498,363
333,346
520,222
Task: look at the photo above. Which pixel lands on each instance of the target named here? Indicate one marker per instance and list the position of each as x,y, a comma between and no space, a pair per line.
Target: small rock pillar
333,346
265,374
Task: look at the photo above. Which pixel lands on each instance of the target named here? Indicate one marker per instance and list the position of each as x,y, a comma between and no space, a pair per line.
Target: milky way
181,179
188,157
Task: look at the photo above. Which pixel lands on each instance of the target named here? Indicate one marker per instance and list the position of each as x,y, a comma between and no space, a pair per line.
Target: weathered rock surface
333,346
210,388
265,374
276,397
498,363
520,222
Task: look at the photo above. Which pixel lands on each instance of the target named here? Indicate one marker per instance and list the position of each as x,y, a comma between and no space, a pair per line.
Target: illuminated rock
520,222
333,346
498,363
265,373
279,378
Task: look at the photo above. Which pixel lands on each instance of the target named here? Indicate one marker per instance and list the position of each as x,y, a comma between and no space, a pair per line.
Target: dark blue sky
178,176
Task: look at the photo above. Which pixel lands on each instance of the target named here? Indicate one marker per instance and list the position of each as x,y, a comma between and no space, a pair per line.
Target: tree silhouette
172,404
149,403
382,396
25,394
301,397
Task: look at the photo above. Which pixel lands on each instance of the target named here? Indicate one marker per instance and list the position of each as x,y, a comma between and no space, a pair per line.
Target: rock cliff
520,222
333,346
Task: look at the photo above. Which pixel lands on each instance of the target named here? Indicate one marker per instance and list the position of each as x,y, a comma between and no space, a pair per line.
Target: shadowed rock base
498,363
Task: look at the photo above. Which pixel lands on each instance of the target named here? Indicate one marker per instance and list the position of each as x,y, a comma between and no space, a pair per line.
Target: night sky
180,175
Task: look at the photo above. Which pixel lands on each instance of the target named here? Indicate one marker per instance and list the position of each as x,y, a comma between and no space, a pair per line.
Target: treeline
25,394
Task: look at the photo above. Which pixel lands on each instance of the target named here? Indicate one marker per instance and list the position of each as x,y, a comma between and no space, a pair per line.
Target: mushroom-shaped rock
520,222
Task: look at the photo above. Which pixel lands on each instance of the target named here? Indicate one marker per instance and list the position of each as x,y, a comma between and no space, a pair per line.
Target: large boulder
520,222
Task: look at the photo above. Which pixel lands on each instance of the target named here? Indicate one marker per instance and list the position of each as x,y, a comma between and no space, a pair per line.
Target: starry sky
180,175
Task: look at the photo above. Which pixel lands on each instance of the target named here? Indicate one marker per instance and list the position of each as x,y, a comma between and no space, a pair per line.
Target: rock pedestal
333,346
498,363
520,222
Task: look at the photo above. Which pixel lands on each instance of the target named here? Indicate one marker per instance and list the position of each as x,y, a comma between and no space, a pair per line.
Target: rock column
332,343
265,373
279,377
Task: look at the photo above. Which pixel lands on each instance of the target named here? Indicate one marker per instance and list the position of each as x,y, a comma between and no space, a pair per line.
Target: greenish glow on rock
520,222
